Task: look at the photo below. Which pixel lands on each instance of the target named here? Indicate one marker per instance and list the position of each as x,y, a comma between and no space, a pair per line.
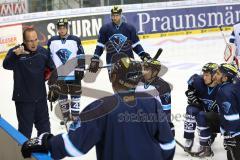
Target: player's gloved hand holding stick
94,65
145,56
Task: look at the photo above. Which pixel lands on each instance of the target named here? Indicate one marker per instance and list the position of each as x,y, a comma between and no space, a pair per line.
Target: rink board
11,141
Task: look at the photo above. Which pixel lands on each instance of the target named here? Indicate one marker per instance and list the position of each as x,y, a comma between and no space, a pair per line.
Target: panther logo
226,106
63,55
118,41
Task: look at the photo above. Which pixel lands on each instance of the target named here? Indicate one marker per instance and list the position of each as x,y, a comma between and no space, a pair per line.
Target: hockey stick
180,144
65,124
231,152
193,154
159,52
106,66
224,37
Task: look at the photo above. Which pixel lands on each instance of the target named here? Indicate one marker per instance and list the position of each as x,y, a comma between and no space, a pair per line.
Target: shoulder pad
226,88
193,79
55,38
99,108
162,86
73,37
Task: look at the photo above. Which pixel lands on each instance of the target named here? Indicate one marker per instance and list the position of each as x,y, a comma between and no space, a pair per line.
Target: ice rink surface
182,55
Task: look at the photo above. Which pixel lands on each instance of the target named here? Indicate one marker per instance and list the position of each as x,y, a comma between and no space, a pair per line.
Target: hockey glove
79,70
52,96
214,107
38,144
145,56
192,98
94,65
53,77
229,143
78,75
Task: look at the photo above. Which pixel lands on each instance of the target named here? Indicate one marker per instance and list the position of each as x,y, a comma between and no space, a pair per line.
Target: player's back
228,100
134,130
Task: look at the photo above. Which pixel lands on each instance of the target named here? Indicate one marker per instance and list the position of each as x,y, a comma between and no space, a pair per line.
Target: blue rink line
20,139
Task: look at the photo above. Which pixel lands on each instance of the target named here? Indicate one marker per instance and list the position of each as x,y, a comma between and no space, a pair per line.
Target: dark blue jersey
228,99
137,130
118,39
161,90
164,92
28,73
206,94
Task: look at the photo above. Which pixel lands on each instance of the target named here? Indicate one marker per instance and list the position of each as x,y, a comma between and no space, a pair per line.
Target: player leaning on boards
157,87
65,47
28,63
117,37
228,100
202,110
115,137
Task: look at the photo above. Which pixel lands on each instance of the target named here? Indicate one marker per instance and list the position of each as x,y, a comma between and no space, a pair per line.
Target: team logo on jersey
63,55
166,97
208,103
118,41
226,106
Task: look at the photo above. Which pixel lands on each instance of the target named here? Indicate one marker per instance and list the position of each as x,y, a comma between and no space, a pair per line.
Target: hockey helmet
153,64
228,70
116,10
126,72
62,22
210,67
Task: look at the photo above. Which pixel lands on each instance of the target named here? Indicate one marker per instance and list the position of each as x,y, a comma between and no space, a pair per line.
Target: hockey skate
188,145
204,151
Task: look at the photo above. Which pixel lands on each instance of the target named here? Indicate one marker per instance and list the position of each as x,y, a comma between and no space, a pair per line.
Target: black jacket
28,73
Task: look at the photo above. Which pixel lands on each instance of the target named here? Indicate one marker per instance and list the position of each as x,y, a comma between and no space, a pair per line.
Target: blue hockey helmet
228,70
210,67
153,64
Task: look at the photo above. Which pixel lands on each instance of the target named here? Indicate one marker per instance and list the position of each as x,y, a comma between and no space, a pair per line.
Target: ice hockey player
65,47
202,110
229,101
126,132
157,87
117,37
232,51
